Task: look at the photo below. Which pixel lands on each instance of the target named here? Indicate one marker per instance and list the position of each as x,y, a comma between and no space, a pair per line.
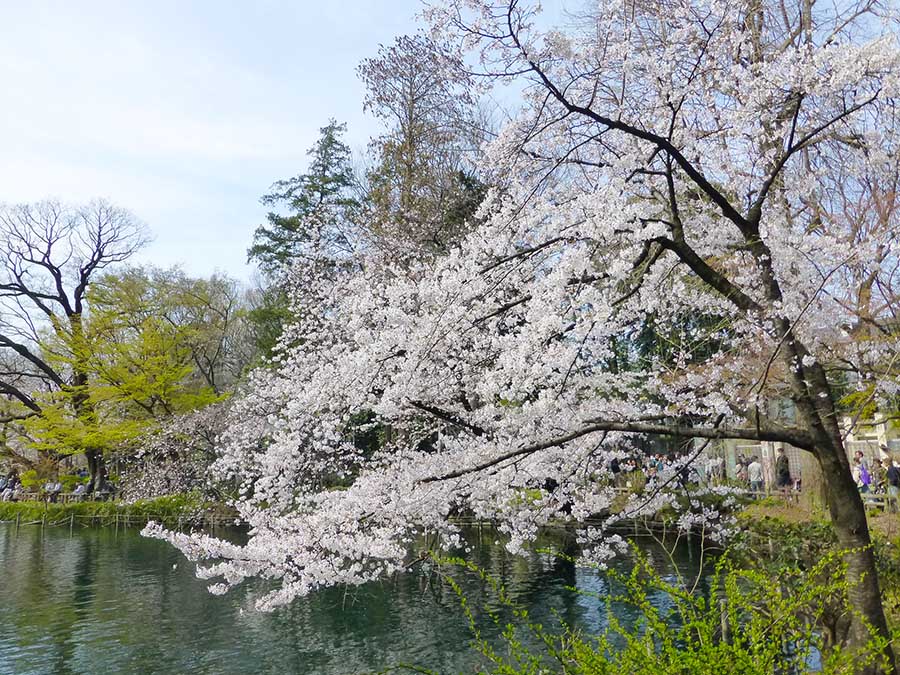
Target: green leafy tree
210,316
139,372
267,314
52,254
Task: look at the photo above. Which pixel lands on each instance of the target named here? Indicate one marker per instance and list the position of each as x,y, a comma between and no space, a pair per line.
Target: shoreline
172,511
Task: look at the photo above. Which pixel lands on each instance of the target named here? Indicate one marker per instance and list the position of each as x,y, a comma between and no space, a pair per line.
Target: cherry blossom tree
722,171
173,458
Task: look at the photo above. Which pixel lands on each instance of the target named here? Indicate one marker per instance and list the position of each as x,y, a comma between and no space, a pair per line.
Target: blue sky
183,112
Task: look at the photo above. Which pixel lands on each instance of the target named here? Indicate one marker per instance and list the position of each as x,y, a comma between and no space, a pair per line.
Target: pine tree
318,206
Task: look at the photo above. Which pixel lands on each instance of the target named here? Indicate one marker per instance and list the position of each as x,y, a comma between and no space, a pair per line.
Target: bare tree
422,187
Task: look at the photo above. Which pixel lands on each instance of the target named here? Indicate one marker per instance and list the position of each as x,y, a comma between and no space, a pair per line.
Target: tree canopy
53,252
97,354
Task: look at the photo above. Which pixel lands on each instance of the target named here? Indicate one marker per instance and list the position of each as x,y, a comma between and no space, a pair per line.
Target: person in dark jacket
892,477
782,471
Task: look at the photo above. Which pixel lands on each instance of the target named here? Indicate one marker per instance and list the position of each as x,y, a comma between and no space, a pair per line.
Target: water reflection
101,601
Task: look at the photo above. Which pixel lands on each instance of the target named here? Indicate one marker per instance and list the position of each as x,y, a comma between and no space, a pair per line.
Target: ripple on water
106,602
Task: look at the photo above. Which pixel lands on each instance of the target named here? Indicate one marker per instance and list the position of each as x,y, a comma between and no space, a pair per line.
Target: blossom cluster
691,188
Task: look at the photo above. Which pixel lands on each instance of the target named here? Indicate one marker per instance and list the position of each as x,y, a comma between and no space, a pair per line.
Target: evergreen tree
318,207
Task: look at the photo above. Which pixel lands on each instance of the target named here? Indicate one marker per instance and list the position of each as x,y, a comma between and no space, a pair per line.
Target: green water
101,601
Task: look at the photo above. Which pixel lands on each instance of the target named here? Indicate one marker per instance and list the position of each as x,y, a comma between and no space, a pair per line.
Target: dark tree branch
795,437
22,397
755,213
714,279
449,417
660,142
32,358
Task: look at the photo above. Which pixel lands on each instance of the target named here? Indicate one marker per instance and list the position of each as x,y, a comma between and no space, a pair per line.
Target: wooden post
726,627
71,523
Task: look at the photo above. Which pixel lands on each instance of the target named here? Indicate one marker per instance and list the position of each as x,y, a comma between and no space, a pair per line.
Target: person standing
860,473
782,472
740,472
616,470
755,474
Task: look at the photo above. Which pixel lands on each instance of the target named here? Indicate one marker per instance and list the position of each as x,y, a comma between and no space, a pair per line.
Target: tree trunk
84,409
97,469
849,519
813,494
815,404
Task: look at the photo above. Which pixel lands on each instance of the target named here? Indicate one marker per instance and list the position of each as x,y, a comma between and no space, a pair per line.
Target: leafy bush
70,480
745,624
30,479
771,544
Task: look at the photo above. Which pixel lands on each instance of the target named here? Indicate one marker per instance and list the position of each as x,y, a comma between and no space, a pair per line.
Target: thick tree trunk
848,514
814,399
85,410
813,494
849,519
97,469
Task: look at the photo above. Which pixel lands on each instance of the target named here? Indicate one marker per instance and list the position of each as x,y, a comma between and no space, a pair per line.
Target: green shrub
30,479
70,480
747,624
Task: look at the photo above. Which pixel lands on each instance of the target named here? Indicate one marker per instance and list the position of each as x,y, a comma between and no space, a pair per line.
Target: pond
106,601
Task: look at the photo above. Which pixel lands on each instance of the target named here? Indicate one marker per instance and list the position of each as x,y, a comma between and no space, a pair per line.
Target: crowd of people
52,491
648,467
878,477
10,487
750,473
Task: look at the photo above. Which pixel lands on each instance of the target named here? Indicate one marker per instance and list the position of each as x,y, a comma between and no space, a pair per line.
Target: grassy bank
173,511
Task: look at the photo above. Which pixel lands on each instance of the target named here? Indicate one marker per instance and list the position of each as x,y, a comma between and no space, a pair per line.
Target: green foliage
777,543
318,205
135,355
887,560
204,318
313,214
744,624
34,479
862,403
70,480
30,479
59,429
39,473
169,510
268,319
45,470
771,544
